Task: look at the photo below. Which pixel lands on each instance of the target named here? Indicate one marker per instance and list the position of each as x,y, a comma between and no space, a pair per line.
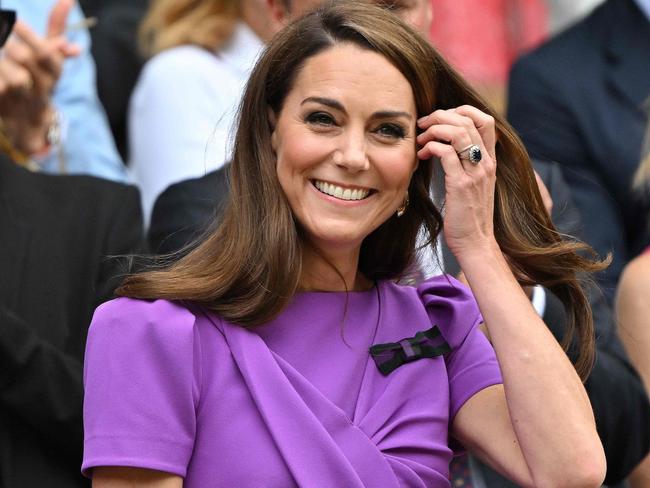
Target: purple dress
296,402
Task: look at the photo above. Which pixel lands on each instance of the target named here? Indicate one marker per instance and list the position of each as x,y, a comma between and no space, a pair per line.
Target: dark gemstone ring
471,154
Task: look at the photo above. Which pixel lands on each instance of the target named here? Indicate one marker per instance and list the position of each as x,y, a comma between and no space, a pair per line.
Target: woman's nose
352,154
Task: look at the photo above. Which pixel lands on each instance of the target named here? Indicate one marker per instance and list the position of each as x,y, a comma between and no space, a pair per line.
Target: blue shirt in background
86,138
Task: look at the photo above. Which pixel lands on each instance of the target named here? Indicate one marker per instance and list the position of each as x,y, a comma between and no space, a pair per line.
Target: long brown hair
249,267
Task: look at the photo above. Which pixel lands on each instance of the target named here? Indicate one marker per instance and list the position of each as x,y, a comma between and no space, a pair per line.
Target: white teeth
342,193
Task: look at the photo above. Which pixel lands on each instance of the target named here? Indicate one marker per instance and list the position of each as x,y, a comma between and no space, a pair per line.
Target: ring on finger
471,153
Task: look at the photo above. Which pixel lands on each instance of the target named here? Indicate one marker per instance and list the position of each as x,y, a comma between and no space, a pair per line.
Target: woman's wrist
478,253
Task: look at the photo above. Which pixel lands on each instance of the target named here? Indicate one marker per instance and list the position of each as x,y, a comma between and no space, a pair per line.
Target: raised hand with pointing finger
30,66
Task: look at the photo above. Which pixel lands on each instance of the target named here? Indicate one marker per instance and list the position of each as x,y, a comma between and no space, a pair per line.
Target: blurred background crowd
115,131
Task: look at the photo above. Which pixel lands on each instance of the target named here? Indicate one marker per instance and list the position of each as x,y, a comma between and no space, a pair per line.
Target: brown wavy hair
170,23
249,266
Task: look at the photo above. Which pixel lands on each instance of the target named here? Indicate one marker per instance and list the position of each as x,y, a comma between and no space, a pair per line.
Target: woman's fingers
447,155
458,137
469,187
450,117
462,128
485,125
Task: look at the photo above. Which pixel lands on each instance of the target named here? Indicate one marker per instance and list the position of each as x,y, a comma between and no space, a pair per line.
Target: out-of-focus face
417,13
345,145
297,8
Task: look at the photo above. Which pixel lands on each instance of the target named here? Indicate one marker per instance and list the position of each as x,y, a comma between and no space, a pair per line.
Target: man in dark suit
57,235
187,209
579,100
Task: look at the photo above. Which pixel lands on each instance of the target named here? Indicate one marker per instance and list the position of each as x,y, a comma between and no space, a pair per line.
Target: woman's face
345,145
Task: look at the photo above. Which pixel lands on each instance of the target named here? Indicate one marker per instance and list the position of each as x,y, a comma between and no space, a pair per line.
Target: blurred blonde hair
170,23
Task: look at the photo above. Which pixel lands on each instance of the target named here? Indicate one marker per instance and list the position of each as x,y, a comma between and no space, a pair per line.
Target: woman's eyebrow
330,102
390,114
335,104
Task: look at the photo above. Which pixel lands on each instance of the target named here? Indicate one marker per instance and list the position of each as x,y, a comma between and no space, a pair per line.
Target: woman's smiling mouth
340,192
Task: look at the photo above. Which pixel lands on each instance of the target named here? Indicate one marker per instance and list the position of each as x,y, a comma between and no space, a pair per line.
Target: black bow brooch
427,344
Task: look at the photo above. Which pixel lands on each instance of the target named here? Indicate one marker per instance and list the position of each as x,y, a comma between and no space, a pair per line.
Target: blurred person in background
58,234
185,100
507,29
58,231
578,100
51,117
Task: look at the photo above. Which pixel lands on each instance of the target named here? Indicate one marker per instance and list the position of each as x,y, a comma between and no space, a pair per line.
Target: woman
201,53
281,352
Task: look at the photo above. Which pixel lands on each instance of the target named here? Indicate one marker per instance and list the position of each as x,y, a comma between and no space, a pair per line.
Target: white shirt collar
242,49
644,5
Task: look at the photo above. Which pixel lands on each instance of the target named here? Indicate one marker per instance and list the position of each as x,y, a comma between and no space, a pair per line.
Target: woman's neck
331,271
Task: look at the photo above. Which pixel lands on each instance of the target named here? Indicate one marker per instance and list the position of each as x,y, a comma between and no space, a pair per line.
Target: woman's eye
320,118
392,131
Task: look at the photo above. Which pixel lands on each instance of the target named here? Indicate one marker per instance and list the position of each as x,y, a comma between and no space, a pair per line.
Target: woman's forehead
345,71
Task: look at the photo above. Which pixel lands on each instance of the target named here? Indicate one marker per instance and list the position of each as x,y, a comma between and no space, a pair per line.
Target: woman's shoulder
448,303
122,315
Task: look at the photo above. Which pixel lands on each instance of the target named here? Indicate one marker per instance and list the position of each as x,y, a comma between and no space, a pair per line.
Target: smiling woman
345,148
282,351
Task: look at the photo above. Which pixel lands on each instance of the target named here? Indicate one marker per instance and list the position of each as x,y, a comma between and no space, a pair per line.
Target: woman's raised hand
469,185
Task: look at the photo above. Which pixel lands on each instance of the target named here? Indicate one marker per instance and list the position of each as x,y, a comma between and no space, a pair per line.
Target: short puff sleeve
142,380
472,364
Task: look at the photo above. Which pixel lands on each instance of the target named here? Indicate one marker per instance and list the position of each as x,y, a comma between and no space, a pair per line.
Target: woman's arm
539,427
124,477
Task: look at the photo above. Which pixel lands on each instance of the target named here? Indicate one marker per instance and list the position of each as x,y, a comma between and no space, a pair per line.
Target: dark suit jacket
57,232
186,209
578,100
118,61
